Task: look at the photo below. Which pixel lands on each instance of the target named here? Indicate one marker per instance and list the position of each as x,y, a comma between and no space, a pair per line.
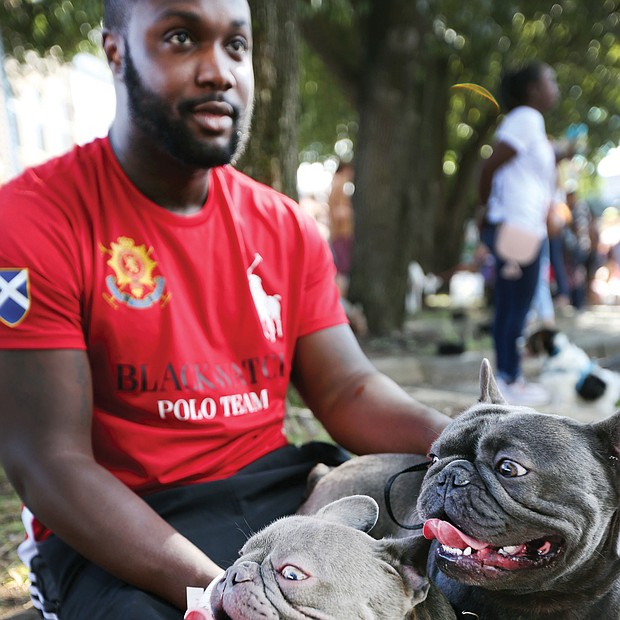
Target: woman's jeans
512,299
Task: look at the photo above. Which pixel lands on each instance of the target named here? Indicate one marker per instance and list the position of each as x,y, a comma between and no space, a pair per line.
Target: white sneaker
520,392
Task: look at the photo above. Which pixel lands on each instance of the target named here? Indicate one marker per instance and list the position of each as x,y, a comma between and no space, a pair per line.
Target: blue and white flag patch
14,296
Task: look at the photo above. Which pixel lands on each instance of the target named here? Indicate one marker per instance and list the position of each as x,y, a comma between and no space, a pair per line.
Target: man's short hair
115,14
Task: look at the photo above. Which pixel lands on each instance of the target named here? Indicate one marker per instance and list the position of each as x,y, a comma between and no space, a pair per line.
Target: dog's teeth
511,550
457,551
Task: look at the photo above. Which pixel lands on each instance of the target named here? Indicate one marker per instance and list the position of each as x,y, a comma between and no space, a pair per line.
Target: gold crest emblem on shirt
133,282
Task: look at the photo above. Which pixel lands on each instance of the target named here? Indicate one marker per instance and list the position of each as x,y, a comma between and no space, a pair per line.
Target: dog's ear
409,557
316,473
489,392
608,431
357,511
541,341
532,343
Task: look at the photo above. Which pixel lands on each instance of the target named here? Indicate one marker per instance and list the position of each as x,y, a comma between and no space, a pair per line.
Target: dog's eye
432,459
510,469
292,573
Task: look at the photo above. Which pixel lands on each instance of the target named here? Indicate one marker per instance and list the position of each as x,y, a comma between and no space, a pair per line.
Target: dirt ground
449,382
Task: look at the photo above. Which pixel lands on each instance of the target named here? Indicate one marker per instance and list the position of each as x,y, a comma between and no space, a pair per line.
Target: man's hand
199,601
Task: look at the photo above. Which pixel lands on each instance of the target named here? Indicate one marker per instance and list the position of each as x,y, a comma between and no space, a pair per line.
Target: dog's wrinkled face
323,566
522,501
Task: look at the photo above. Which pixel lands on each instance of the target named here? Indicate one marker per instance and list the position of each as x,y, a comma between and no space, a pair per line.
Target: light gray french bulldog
522,507
326,567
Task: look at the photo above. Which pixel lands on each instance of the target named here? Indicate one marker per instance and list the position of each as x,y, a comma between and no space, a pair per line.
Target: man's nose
215,69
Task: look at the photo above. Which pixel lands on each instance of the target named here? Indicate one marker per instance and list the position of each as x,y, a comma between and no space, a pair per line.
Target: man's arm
362,409
45,448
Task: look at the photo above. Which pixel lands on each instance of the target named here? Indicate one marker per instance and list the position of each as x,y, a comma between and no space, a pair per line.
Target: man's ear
114,49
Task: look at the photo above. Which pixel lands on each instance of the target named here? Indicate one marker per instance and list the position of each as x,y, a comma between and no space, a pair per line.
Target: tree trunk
271,155
427,183
391,207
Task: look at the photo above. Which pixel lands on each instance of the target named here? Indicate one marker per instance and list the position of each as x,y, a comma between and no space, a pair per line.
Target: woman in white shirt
516,185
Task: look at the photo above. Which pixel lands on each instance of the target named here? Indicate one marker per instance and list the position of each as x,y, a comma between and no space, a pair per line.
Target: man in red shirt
154,305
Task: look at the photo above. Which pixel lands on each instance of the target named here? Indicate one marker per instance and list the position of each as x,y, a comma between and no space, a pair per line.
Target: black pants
218,517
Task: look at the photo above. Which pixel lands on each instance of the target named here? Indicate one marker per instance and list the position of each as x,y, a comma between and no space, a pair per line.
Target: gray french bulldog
522,507
326,567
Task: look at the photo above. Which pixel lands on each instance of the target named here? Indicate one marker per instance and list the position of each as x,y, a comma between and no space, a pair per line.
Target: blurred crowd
583,266
334,216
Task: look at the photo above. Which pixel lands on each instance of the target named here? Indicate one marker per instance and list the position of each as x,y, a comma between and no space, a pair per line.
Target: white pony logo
268,306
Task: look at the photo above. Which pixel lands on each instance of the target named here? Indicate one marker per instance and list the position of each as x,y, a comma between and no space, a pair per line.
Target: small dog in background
571,376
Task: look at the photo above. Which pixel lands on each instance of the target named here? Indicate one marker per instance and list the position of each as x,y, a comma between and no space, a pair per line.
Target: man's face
189,79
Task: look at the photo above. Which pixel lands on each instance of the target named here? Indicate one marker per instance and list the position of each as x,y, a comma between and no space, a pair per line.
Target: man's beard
154,118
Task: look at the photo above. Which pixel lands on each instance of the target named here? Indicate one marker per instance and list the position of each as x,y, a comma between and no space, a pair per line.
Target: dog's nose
244,571
458,472
460,479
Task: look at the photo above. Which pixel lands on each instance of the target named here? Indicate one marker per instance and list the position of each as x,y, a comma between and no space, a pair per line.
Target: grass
13,574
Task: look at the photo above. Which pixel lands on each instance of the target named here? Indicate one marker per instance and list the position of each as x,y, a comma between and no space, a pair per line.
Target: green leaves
64,27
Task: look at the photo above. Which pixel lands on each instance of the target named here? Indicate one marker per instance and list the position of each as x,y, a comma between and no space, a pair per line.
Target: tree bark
387,204
272,157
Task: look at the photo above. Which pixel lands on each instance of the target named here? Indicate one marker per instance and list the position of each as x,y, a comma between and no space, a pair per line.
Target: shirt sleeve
40,298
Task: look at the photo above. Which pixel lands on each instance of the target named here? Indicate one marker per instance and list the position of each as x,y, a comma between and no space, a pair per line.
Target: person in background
156,303
577,247
516,187
552,290
606,282
558,221
341,235
341,223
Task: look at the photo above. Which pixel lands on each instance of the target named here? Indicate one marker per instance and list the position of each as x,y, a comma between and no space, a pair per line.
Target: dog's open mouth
458,548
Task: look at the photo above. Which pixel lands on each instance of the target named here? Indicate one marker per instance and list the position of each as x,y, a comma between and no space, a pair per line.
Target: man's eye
181,38
510,469
239,45
292,573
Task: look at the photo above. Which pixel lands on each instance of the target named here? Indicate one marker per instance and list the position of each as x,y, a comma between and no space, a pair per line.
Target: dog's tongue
198,614
450,536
